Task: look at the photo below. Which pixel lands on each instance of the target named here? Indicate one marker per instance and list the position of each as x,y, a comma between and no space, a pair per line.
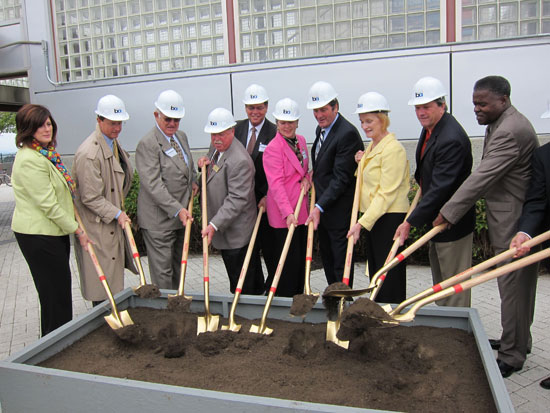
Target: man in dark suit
443,162
231,203
334,166
255,132
502,178
167,181
535,217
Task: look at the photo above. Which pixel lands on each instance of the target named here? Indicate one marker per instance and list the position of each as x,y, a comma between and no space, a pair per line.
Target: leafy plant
7,122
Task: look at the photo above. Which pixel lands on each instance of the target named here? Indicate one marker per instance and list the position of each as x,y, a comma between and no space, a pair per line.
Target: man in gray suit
231,202
167,180
502,178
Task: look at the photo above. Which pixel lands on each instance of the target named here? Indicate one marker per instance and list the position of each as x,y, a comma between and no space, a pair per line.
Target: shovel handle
135,252
464,275
185,250
309,248
353,221
395,246
205,266
99,271
248,255
466,285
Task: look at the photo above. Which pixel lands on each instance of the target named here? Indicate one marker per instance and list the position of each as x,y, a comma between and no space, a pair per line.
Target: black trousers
267,245
292,276
48,260
333,245
379,241
254,280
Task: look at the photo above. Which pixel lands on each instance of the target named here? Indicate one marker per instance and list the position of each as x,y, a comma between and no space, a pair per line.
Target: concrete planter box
24,387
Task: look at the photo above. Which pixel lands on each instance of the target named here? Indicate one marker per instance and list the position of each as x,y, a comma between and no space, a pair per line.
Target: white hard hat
219,120
426,90
112,107
320,94
372,102
286,109
255,94
170,103
546,114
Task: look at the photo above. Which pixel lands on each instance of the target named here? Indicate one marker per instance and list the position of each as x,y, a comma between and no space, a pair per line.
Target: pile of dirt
399,368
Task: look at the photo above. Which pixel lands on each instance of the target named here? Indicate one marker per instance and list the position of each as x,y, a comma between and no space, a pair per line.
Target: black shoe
545,384
505,369
495,344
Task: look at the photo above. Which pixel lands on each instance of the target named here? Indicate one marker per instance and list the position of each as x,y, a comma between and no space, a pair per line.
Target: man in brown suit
502,178
231,200
103,176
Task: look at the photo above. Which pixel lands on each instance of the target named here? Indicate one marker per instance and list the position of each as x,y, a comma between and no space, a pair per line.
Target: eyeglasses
168,120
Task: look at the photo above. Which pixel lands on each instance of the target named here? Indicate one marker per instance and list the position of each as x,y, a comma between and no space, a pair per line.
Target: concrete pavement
19,309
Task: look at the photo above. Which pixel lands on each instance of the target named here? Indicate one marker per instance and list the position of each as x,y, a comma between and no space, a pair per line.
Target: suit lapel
166,148
291,156
329,139
216,169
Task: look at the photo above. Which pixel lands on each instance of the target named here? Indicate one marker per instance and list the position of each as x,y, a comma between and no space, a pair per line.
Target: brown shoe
545,384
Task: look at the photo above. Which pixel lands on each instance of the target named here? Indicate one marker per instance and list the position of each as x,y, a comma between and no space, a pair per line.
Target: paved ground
19,311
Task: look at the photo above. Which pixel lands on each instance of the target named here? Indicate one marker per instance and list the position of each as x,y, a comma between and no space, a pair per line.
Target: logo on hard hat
418,95
253,96
315,98
359,105
117,110
212,123
286,112
174,108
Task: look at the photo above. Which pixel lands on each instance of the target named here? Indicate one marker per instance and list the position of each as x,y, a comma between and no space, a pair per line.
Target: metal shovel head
348,293
387,308
207,323
256,329
332,330
115,324
232,327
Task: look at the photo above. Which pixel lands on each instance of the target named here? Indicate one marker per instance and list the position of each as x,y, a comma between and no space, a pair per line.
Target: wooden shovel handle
309,248
248,255
135,252
353,221
185,249
205,266
286,245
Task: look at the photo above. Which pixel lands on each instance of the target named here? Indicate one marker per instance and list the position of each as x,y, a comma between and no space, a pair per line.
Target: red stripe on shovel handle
273,289
206,279
238,290
136,255
184,261
400,257
382,277
102,278
436,288
458,288
309,258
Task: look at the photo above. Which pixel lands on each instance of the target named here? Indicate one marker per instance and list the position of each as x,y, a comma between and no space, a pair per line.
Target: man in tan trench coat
103,175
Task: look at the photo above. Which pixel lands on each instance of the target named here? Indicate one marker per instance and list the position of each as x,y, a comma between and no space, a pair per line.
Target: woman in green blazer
44,213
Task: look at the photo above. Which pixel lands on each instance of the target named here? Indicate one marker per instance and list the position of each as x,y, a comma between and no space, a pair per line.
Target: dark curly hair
27,121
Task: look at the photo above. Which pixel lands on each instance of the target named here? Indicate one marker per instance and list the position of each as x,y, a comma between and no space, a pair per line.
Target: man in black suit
255,133
443,162
334,166
535,217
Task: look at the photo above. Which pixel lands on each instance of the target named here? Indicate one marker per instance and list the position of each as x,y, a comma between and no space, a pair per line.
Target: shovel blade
258,330
348,293
123,320
232,327
332,330
208,323
387,308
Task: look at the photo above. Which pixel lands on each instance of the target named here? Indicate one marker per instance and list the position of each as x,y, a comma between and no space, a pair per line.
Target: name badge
262,147
216,168
304,155
171,152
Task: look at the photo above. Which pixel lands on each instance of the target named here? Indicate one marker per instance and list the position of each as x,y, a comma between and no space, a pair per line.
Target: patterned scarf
293,143
54,158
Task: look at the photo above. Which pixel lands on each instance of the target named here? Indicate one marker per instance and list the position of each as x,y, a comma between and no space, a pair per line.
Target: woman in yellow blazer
44,213
384,171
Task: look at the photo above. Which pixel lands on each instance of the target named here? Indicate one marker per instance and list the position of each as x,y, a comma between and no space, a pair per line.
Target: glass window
415,39
342,12
360,9
415,22
397,24
342,30
326,48
277,37
290,18
292,36
260,39
487,32
508,30
206,46
433,37
244,6
309,34
529,9
360,28
469,16
378,42
259,5
325,14
487,14
308,16
508,12
415,5
432,20
529,28
378,7
245,24
325,32
377,26
276,20
397,6
397,40
360,44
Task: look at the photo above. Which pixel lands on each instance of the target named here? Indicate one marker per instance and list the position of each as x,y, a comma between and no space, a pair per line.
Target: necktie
252,141
176,147
428,135
213,162
321,140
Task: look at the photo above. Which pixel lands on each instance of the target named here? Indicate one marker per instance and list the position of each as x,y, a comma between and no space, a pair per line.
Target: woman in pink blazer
286,168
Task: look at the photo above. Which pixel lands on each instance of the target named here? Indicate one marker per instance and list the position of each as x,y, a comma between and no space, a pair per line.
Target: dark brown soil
415,369
302,304
179,303
147,291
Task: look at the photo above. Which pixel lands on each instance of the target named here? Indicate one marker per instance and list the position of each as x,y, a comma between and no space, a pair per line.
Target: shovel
303,303
209,322
117,319
394,248
396,260
466,285
465,275
262,328
143,290
180,298
232,325
334,326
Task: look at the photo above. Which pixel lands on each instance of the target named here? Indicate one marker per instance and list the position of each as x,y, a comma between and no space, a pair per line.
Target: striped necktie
320,142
